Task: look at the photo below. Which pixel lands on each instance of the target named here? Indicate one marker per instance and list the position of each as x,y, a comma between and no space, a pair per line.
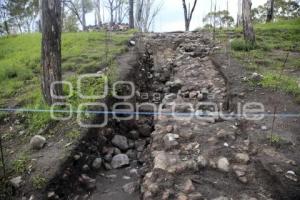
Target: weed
74,134
39,182
20,164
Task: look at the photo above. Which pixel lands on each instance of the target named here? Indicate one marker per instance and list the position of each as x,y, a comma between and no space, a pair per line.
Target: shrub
241,45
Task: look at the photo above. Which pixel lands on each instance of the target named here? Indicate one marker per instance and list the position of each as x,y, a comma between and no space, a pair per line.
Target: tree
188,13
86,7
80,8
222,18
22,13
131,11
70,23
112,5
248,30
239,20
270,14
98,19
51,49
145,13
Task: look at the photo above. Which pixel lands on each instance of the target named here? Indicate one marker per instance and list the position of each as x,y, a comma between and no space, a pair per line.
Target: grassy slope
20,67
274,41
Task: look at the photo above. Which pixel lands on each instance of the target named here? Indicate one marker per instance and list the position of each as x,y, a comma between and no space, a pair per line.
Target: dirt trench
80,178
187,152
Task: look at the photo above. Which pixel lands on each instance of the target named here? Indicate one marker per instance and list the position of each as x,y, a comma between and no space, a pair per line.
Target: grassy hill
276,43
20,67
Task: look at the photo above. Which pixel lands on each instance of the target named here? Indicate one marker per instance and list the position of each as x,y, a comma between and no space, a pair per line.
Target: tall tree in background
145,13
131,13
239,20
112,5
188,13
98,18
84,11
51,49
248,30
270,14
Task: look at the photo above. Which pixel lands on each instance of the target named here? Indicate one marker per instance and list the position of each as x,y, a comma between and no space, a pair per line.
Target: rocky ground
194,154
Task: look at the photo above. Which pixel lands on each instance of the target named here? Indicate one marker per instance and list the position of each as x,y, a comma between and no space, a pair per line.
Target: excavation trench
98,167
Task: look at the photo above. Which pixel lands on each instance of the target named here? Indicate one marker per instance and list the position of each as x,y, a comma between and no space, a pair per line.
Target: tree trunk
40,16
188,14
51,49
131,11
6,27
248,30
83,15
239,15
270,14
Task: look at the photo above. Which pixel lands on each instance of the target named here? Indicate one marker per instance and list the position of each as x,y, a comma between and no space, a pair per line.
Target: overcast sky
170,18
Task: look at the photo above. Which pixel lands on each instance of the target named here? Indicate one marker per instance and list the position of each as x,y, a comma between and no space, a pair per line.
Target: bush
241,45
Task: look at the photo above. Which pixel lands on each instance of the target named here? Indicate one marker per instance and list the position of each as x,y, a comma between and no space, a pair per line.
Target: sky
171,17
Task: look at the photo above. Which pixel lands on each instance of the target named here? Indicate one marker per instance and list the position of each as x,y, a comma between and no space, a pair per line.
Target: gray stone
134,134
145,130
131,154
195,196
97,163
201,161
188,186
16,182
169,98
85,168
221,198
170,140
120,142
291,175
37,142
223,164
119,161
140,145
256,77
130,188
242,158
88,182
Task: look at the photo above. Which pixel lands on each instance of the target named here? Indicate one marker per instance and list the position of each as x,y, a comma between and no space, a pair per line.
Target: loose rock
120,142
119,161
130,187
97,163
37,142
223,164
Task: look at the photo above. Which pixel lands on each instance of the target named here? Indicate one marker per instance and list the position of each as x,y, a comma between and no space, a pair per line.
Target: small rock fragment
223,164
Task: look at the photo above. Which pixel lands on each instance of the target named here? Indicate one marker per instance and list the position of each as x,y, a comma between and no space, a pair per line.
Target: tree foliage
283,9
222,19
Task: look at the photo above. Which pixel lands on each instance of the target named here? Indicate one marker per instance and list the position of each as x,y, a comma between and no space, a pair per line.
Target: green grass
81,53
38,182
20,164
273,42
284,83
